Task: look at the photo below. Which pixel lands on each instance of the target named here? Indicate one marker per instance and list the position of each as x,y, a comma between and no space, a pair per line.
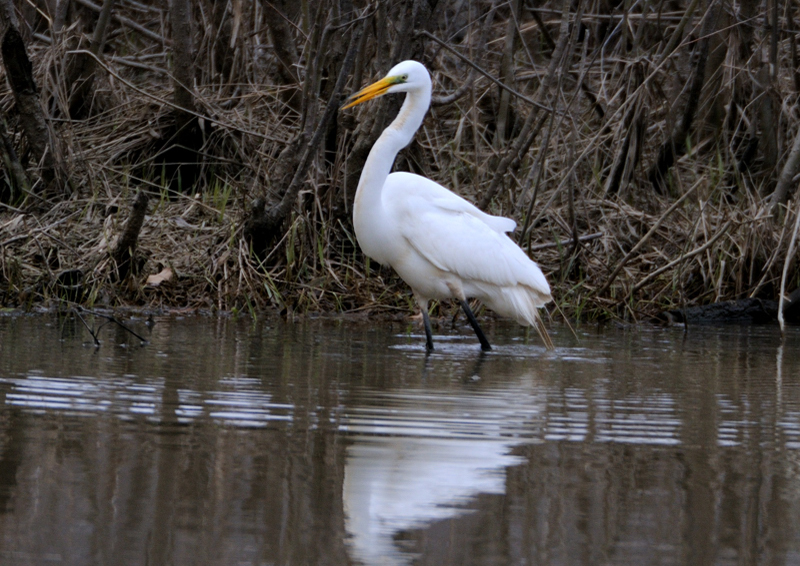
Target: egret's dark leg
475,326
428,333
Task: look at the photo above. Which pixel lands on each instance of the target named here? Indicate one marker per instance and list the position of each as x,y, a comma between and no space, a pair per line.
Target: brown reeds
560,126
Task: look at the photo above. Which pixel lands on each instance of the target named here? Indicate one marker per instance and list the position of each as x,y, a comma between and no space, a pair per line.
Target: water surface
227,442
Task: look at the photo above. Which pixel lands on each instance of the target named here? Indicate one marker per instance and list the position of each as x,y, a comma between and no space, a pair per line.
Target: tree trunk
675,146
786,181
505,111
18,180
532,126
223,51
417,17
60,18
81,74
183,61
768,120
285,51
125,247
263,224
19,72
633,127
181,159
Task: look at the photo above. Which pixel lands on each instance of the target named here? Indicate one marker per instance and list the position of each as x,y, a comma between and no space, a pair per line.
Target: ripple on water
238,402
79,395
790,425
493,415
466,347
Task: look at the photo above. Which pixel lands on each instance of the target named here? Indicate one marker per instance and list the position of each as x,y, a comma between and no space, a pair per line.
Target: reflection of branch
78,309
474,375
91,331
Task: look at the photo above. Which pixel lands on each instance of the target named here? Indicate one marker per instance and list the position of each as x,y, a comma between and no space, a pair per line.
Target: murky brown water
222,442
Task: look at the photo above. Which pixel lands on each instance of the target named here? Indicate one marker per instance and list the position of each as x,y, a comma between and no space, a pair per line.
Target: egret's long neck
394,138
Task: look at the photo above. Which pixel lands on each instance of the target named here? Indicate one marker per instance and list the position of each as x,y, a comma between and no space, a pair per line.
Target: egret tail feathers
521,303
541,330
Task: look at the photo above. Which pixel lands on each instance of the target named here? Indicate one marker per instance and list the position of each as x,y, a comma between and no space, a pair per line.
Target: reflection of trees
601,501
11,444
134,489
125,487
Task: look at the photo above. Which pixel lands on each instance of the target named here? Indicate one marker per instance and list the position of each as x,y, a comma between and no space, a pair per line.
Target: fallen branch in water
77,309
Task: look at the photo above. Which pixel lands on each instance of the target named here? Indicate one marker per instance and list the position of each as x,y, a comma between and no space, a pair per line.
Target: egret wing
401,186
460,243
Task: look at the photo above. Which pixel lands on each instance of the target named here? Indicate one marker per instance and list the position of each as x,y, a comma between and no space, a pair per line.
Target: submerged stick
90,329
78,309
109,318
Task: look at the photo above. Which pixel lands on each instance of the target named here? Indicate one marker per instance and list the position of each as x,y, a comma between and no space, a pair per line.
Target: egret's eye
404,78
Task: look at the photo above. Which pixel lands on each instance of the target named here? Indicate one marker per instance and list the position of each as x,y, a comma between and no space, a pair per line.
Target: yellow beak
374,90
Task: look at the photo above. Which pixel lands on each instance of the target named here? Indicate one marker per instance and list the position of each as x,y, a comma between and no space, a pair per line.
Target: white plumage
440,244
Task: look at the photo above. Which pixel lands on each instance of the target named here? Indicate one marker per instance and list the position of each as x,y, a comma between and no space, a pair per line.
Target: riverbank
642,187
190,255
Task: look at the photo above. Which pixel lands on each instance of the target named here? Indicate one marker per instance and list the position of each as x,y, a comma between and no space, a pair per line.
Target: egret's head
407,76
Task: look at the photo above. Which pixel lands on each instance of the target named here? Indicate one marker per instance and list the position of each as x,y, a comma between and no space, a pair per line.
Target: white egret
440,244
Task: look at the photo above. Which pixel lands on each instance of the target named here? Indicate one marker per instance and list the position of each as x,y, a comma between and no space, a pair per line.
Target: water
223,442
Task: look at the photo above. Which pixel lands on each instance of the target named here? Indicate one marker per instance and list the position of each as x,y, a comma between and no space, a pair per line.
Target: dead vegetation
639,146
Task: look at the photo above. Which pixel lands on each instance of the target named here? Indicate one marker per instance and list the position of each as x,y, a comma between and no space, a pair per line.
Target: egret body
440,244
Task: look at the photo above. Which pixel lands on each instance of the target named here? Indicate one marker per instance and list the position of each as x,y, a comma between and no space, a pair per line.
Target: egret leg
428,333
485,346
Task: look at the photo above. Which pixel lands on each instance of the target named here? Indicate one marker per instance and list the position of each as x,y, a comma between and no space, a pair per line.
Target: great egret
440,244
